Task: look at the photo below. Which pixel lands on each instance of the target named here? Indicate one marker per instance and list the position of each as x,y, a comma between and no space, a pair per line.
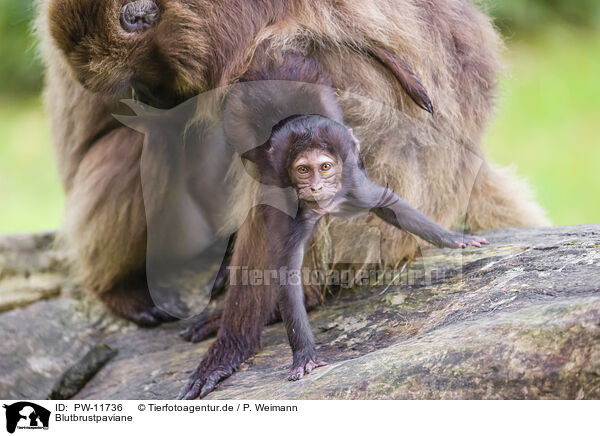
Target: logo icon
26,415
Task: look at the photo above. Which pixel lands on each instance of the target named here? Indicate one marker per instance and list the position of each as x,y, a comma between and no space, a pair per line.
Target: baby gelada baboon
319,157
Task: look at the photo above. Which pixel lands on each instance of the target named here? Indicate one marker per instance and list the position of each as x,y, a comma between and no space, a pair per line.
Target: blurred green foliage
524,17
20,67
547,125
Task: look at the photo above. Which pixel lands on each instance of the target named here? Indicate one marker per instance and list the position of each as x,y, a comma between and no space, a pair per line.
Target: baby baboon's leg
205,326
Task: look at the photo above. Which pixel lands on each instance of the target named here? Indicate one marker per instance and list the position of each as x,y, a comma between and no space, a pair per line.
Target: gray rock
75,378
30,270
43,341
519,318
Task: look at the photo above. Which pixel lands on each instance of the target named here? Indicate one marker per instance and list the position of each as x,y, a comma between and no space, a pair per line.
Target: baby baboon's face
317,176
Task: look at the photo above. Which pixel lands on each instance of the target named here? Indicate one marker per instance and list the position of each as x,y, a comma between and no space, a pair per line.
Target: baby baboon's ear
258,154
405,75
254,155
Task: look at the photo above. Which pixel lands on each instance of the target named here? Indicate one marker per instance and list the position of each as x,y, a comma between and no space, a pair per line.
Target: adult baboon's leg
105,227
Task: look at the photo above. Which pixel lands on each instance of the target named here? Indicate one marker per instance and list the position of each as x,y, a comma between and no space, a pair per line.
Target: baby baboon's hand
459,240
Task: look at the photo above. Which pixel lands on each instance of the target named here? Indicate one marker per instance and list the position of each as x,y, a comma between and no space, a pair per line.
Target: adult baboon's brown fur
434,162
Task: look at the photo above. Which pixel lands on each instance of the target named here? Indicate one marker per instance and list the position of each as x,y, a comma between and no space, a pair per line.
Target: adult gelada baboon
170,50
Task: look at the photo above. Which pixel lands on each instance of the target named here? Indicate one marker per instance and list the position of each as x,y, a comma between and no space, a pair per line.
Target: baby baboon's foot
300,370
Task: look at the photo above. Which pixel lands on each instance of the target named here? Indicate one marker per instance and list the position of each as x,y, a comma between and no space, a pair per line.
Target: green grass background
31,197
548,122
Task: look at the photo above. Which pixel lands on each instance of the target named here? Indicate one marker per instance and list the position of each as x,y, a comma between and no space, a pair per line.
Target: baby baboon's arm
391,208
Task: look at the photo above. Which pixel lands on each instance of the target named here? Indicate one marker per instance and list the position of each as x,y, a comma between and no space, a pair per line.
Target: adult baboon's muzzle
139,15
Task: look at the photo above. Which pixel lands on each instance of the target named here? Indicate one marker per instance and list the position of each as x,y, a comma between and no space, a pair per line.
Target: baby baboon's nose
139,15
316,188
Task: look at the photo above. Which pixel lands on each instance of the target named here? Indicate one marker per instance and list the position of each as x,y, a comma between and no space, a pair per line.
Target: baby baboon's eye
302,170
326,167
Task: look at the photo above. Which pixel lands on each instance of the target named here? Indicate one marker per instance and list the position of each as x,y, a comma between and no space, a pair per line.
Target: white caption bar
279,418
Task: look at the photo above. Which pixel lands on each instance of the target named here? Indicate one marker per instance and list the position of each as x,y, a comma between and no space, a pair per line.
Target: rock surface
519,318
